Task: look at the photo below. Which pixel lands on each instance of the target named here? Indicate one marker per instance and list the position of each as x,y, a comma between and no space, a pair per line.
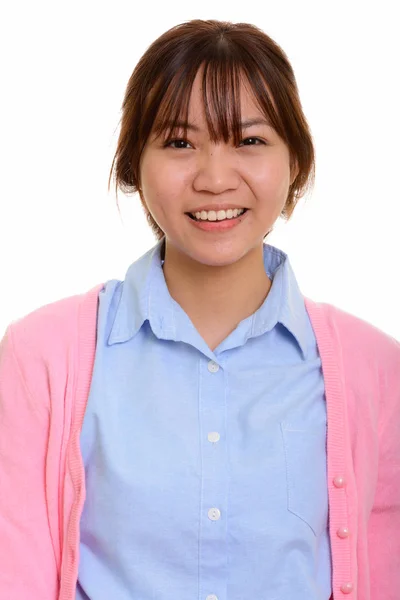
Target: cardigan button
343,532
339,482
347,588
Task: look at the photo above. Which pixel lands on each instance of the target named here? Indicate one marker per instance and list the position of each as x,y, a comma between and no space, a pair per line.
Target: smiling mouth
217,220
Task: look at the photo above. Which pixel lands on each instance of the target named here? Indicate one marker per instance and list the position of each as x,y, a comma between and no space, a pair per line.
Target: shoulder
46,330
356,336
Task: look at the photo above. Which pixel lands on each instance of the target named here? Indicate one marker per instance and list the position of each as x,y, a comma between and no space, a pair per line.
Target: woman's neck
217,299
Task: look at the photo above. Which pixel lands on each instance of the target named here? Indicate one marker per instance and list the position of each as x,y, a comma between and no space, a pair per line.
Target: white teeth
211,215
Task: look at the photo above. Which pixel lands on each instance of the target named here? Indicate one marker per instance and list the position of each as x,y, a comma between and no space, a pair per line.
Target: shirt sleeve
28,564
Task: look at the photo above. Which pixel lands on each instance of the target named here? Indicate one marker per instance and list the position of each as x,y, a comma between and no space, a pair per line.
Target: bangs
221,82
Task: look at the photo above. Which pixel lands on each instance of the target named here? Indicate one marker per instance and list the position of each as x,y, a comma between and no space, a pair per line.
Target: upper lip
217,207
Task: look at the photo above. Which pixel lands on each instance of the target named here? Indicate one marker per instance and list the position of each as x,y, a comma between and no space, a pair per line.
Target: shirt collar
145,296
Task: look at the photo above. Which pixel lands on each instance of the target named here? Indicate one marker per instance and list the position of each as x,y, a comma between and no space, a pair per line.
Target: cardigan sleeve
384,523
28,570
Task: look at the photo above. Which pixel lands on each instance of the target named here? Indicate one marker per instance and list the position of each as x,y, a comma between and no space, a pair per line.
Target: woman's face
195,172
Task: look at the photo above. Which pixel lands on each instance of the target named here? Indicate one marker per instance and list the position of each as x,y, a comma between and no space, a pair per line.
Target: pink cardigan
46,361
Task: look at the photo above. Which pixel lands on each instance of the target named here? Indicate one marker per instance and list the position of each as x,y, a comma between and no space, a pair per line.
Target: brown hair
159,89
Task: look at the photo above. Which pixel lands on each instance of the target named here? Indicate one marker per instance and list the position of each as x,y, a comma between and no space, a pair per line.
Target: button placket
343,532
213,547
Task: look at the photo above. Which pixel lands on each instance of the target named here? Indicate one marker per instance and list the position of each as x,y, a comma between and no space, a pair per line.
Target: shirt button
347,588
211,597
343,532
213,436
212,366
214,514
339,482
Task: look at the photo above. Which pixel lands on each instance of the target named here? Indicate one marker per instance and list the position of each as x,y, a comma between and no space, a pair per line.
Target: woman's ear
294,171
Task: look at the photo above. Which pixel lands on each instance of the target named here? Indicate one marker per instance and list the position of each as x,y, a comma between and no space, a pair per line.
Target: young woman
201,430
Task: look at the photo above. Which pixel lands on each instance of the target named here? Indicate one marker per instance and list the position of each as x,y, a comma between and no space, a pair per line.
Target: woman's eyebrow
244,124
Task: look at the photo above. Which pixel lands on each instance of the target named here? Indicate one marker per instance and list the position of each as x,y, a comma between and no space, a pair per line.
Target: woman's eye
168,144
254,138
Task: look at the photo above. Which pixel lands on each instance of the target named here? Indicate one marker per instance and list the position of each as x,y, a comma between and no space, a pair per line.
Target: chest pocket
306,474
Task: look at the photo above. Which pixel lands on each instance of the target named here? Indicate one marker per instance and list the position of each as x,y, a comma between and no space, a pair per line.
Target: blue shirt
205,471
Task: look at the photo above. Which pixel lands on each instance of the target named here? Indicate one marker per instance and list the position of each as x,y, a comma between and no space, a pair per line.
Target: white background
64,68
